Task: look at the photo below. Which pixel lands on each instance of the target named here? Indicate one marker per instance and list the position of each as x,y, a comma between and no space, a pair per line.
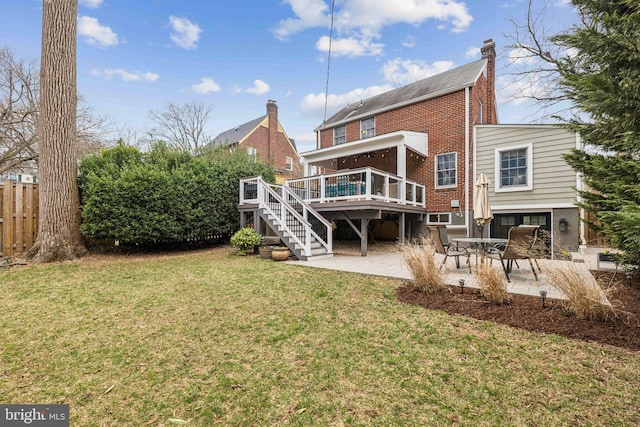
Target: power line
326,88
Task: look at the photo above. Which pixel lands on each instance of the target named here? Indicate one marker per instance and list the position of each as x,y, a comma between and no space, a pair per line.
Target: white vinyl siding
553,181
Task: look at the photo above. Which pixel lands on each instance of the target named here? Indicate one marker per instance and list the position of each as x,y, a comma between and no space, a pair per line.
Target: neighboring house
266,141
397,162
18,177
530,181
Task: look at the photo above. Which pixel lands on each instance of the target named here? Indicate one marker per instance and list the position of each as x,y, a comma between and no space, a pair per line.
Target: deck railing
300,222
359,184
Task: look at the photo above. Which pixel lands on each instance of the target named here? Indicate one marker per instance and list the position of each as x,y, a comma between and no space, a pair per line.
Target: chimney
272,136
488,51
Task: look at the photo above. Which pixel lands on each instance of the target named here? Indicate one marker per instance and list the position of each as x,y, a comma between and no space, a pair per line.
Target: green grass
212,338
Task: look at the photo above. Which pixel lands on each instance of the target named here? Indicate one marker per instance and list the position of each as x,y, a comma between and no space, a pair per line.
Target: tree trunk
59,224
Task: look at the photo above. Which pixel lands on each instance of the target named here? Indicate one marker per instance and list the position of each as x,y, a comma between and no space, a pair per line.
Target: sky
138,56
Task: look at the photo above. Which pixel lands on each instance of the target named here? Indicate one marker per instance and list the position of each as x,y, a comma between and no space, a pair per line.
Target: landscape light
630,278
543,296
461,283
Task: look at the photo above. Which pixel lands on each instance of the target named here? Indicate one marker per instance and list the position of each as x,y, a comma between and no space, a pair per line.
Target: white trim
439,213
497,168
467,113
345,134
538,207
416,141
435,170
362,132
517,125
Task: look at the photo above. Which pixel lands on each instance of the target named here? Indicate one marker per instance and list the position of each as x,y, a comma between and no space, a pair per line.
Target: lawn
210,338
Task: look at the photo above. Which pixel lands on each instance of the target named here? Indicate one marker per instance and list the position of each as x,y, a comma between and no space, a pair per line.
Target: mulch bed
526,312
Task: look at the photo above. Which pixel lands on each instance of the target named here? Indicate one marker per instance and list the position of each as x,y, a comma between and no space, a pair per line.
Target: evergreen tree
601,75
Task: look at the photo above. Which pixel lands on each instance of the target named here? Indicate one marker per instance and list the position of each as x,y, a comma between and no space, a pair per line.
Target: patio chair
521,240
451,250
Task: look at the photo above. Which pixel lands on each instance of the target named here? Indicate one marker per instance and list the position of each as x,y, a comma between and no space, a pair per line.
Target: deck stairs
306,233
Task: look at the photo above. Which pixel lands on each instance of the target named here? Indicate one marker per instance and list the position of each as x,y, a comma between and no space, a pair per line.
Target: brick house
422,132
266,141
390,165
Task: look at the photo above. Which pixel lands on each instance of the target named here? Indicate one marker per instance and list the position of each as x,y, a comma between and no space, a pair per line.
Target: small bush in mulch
493,285
526,312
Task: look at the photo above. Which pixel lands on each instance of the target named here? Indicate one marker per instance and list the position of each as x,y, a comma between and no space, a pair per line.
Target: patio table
481,243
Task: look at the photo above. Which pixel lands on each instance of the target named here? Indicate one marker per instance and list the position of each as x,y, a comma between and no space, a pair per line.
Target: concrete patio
390,263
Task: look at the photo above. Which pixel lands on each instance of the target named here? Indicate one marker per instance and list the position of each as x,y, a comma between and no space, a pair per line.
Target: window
514,168
289,164
439,218
446,170
339,135
367,128
252,154
480,112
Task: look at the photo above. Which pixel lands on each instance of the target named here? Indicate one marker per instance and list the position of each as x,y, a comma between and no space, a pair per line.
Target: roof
237,134
431,87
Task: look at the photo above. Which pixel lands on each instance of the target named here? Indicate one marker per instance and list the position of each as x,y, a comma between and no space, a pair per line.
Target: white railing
359,184
298,220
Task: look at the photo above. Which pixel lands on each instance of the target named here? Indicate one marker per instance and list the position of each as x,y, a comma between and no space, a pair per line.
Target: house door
503,222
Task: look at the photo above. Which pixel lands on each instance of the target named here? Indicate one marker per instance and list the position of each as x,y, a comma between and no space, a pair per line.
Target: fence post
7,221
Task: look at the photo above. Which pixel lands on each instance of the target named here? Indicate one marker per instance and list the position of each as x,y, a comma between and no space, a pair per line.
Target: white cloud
185,33
93,4
313,104
375,14
126,76
402,72
514,91
309,14
362,20
472,52
305,141
95,33
349,47
521,56
259,88
206,85
409,42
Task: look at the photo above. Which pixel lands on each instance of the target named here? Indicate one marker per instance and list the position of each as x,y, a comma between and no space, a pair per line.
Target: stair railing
321,229
299,220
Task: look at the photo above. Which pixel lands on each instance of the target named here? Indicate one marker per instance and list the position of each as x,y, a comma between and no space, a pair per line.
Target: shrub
246,239
586,298
164,195
493,285
420,258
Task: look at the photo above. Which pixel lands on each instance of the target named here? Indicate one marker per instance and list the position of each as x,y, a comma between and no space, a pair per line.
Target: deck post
364,227
401,227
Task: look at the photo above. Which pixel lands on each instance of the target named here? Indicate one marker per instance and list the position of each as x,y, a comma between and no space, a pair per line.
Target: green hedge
164,195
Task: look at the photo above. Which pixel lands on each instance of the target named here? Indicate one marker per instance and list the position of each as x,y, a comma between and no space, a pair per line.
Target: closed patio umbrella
481,208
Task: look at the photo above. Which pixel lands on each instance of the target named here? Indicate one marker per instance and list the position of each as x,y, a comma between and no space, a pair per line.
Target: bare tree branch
182,126
19,112
535,63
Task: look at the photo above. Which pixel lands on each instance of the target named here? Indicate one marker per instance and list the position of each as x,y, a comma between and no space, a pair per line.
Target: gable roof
238,133
431,87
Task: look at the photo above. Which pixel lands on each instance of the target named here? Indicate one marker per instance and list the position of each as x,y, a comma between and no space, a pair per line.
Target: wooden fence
18,217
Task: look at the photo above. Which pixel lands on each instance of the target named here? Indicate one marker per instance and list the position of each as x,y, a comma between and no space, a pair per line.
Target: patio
389,262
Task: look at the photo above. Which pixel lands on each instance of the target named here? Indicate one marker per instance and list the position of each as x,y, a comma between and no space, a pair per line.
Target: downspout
466,160
581,213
